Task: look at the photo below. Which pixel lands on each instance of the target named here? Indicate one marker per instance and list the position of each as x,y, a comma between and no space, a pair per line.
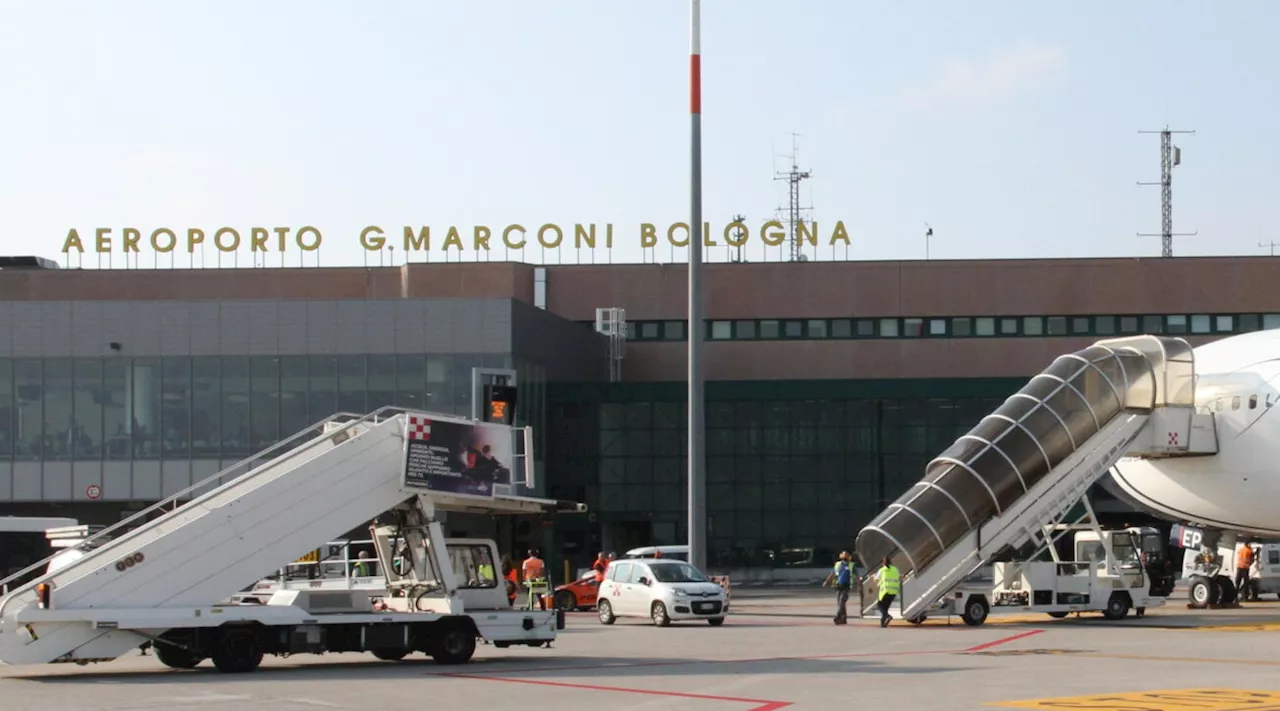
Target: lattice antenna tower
794,213
738,254
1170,156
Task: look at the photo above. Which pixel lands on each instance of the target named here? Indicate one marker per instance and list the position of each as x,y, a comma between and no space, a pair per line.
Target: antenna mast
737,253
1170,156
795,214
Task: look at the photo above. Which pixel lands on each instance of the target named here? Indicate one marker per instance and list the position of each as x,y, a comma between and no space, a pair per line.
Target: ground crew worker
534,572
889,584
361,568
512,576
1244,560
842,577
601,564
484,572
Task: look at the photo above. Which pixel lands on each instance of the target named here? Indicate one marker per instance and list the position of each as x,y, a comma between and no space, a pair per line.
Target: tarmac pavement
776,651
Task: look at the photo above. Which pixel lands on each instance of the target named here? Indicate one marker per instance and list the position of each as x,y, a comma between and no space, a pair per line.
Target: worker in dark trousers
889,584
842,577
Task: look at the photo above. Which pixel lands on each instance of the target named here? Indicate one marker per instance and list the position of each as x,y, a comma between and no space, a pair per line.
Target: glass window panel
1104,325
264,402
793,329
294,384
817,328
673,330
175,407
382,381
236,389
1153,324
1270,321
1129,324
1248,322
984,326
1057,325
649,330
145,407
462,367
912,327
28,381
59,420
1176,324
889,328
86,437
769,329
439,385
1080,325
322,393
353,385
1201,323
1032,326
1008,327
1224,324
7,430
206,406
411,382
744,330
866,328
937,327
841,328
721,330
961,327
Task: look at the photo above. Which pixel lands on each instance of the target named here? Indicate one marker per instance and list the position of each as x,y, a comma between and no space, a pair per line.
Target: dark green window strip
1099,326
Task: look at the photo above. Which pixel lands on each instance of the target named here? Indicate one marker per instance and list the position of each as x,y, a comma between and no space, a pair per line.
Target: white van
672,552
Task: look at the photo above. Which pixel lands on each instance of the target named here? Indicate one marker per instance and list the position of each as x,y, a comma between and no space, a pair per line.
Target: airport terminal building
830,384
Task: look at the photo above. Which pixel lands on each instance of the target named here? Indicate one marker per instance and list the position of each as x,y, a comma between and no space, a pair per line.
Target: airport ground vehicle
1016,476
164,580
660,589
672,552
579,594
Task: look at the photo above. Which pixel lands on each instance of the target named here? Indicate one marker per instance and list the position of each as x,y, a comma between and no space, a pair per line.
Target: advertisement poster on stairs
455,457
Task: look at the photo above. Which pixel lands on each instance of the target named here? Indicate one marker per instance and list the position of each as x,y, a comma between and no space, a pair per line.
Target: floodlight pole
697,470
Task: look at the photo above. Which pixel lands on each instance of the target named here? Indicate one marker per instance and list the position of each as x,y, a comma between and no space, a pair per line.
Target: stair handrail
174,499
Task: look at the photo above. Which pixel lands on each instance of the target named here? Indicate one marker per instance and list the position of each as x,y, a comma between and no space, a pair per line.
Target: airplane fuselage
1238,488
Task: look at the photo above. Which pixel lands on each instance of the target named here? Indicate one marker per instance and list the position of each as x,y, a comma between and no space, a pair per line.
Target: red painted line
760,704
695,83
1003,640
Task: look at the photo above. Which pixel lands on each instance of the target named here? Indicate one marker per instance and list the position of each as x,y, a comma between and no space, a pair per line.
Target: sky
1009,127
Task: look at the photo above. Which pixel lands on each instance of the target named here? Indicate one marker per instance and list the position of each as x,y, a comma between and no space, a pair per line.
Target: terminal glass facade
96,409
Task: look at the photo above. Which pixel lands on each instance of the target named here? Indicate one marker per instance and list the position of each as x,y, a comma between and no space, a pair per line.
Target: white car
660,589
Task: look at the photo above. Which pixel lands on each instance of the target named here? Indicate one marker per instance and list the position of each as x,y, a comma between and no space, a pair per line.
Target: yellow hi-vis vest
889,581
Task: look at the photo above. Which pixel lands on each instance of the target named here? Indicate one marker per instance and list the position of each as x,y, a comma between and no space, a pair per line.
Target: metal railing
250,464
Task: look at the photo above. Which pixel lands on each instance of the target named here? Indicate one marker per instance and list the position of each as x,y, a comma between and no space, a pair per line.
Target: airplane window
1235,402
1253,402
1270,402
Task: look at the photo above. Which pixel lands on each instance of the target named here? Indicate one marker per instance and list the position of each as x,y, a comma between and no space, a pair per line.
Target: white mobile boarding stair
1027,464
335,476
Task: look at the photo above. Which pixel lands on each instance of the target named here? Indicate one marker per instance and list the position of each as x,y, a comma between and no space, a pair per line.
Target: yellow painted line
1171,700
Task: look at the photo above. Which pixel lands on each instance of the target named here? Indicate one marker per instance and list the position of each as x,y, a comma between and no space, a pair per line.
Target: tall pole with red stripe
697,470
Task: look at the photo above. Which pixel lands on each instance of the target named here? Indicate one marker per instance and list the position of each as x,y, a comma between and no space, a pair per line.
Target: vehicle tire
175,657
1203,592
455,645
658,613
1227,592
389,655
238,652
566,600
1058,615
1117,606
918,619
715,621
605,611
975,611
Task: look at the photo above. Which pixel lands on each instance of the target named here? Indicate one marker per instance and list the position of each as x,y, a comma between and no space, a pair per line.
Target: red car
578,595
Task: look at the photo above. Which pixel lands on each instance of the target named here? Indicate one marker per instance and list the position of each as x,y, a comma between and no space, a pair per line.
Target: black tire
566,600
175,657
389,655
1058,615
658,613
455,645
605,611
1203,592
238,652
1117,606
1227,592
975,611
715,621
918,619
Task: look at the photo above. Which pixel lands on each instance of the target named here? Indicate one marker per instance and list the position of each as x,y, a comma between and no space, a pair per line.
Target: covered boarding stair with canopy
1016,474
